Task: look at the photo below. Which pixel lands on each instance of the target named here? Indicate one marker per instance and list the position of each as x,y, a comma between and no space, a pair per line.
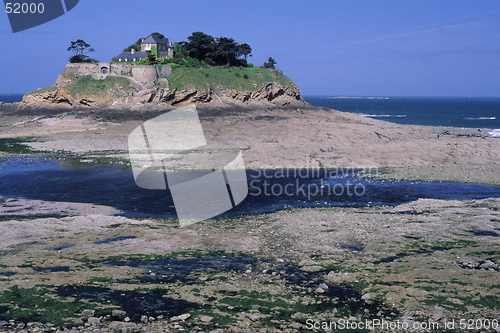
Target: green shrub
154,51
192,62
173,65
188,62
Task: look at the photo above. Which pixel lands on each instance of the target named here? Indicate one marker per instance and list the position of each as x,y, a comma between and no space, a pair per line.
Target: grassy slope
219,78
216,78
41,90
86,85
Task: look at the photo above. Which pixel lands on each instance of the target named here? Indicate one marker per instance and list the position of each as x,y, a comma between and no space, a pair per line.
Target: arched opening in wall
104,70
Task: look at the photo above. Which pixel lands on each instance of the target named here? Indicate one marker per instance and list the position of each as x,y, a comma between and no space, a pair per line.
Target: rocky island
131,86
82,262
202,70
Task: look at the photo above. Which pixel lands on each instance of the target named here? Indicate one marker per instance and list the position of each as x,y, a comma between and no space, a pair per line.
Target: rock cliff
271,92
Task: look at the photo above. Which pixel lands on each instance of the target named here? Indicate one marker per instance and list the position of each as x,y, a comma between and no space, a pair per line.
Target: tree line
222,51
213,51
199,49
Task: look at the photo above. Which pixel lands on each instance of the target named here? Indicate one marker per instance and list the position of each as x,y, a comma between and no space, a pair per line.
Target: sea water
470,112
43,177
11,98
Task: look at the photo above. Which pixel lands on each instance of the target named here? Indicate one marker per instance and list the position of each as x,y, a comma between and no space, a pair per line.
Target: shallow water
43,178
114,239
52,269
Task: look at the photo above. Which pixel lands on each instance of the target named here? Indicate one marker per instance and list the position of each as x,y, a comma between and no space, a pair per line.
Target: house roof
130,56
155,40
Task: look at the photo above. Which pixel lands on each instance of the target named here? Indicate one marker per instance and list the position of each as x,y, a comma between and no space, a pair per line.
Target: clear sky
328,47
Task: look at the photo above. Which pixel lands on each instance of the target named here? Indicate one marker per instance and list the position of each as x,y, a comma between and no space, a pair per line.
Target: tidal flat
426,260
86,266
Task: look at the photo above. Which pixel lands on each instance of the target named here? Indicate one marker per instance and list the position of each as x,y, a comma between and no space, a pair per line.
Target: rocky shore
424,264
297,135
273,92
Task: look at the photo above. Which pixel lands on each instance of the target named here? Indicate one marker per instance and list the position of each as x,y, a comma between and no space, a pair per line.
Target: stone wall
82,69
146,75
165,71
121,69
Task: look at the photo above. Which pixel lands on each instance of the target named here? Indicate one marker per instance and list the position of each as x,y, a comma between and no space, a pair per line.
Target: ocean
471,112
11,98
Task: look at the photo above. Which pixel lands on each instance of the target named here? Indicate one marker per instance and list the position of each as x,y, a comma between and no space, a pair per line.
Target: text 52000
24,8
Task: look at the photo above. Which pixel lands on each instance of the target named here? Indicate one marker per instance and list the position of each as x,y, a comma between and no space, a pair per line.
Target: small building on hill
131,56
163,45
164,49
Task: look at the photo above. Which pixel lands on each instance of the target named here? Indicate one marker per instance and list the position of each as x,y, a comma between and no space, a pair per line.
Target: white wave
480,118
384,115
355,97
495,133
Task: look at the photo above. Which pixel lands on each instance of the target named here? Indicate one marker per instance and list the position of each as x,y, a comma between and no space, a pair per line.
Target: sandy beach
422,264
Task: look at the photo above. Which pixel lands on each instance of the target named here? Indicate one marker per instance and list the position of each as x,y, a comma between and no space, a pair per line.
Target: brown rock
205,319
312,269
120,325
58,97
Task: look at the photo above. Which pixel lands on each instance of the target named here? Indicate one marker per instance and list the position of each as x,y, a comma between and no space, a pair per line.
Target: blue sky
328,47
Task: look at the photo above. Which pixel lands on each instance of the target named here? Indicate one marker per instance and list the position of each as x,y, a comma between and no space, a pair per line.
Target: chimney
132,51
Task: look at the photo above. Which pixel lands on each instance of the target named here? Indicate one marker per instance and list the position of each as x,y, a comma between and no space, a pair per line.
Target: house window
135,59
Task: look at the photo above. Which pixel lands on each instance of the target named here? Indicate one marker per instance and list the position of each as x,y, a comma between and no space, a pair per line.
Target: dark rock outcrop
271,92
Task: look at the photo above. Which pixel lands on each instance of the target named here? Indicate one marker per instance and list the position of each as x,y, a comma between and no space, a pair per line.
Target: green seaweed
277,307
17,145
100,279
149,257
41,304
